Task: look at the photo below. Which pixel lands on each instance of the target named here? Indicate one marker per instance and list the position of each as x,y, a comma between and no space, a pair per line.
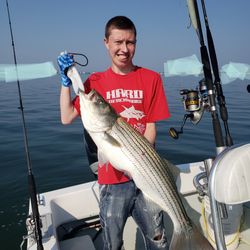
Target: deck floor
133,239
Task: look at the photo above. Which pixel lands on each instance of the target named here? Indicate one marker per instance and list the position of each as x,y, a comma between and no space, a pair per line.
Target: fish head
96,113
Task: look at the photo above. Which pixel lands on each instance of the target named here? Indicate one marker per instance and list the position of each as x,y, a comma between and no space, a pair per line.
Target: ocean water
57,152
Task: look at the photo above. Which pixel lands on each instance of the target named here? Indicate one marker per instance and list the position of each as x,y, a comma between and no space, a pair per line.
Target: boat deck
133,239
70,217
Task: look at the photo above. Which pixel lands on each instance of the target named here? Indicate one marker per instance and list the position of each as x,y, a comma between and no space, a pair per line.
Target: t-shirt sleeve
76,104
157,108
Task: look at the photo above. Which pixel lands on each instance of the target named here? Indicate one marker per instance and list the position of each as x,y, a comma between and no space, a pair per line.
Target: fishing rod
31,179
217,81
195,19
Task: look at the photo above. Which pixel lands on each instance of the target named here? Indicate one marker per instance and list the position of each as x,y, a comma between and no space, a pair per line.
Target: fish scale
135,147
128,151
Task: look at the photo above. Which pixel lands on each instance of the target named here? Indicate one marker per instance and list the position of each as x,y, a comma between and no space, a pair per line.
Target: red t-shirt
138,97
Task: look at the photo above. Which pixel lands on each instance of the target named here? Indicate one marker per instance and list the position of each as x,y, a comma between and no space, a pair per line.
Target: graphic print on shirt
124,95
128,98
131,112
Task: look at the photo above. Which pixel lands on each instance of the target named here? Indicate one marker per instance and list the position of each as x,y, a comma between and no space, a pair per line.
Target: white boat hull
79,202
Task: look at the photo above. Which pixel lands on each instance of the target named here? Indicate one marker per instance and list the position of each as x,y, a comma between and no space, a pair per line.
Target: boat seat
232,179
78,243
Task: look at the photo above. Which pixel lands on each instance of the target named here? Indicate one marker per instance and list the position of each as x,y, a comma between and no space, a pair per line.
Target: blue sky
42,29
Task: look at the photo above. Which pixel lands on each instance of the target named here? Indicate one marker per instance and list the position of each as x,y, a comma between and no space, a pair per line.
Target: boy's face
121,45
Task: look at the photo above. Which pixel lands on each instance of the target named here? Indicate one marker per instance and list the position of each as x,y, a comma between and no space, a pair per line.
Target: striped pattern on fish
150,173
127,150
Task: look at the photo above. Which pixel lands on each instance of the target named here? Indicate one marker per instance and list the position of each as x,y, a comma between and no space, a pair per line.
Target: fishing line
31,179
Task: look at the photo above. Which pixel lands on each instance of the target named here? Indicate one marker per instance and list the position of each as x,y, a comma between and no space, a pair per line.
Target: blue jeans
117,203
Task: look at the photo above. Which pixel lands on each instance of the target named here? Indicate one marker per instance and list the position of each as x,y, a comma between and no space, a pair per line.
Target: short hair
119,22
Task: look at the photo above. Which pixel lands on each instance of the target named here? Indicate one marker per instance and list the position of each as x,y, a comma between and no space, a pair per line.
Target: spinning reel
195,102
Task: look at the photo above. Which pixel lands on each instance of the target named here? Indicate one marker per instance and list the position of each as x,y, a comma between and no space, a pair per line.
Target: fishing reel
195,102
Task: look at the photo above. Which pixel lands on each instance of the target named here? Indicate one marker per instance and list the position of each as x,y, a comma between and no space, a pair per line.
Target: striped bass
127,150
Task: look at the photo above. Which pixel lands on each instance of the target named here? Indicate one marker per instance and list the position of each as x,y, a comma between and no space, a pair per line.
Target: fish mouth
88,96
91,95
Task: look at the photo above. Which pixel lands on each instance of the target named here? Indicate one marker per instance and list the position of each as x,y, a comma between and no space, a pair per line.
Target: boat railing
228,184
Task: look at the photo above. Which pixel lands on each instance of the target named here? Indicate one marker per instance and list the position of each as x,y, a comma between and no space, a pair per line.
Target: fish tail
192,240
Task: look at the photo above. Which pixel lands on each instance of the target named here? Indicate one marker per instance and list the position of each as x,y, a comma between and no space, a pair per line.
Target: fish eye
100,101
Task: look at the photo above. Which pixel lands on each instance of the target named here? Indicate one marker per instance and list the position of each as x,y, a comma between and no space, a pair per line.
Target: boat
215,192
70,220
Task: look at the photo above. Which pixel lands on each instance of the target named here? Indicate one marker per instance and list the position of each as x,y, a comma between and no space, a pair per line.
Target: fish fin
152,202
102,160
174,170
147,198
111,140
192,240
